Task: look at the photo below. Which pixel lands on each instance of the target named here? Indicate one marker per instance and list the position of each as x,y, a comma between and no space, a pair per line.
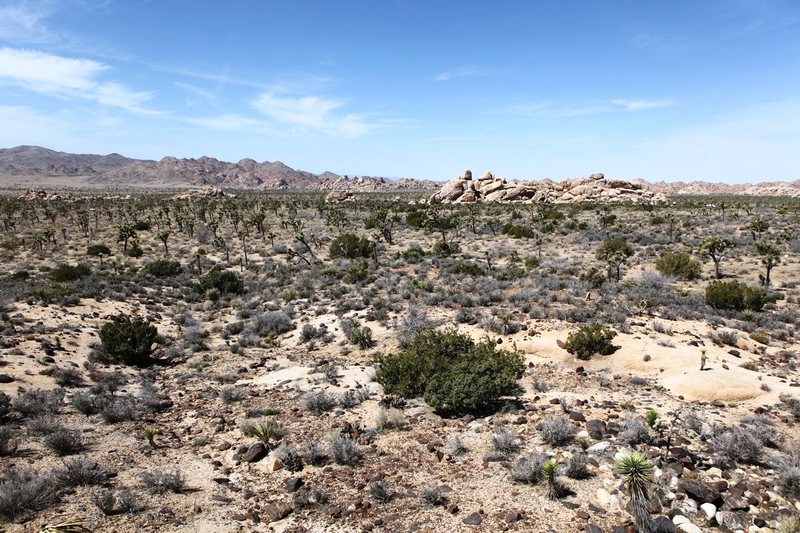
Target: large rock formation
595,188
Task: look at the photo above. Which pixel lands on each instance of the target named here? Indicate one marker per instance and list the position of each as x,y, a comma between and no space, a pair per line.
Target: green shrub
510,273
589,340
20,275
163,268
454,374
223,281
417,218
445,249
129,341
134,250
357,272
63,273
98,249
350,246
735,296
412,254
518,232
679,264
532,262
470,269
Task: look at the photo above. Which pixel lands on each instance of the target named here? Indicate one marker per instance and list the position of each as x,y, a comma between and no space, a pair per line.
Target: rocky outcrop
336,197
702,188
204,192
595,188
39,195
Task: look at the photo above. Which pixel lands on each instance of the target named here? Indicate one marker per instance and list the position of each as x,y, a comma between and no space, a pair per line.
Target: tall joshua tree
756,227
770,257
615,252
715,248
163,237
125,232
636,472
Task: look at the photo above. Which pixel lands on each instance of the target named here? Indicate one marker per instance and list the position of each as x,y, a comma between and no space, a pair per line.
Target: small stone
255,453
697,490
293,484
662,524
600,447
709,509
277,511
473,519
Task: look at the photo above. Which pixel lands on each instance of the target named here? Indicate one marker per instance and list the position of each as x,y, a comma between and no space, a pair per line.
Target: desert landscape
399,266
609,359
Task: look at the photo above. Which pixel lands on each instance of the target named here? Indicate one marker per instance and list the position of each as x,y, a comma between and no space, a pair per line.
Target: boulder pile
39,195
203,192
595,188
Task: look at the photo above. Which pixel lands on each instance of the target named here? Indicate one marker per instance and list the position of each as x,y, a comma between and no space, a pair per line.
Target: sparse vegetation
589,340
438,365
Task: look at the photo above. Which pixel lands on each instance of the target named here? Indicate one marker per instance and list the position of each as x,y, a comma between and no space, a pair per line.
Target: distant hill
34,166
41,166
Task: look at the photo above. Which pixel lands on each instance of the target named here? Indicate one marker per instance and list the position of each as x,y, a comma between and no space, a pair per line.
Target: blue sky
677,90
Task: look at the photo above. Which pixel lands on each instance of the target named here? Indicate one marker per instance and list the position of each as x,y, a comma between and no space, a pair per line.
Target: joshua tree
384,222
163,236
715,248
770,257
757,226
636,472
125,232
615,251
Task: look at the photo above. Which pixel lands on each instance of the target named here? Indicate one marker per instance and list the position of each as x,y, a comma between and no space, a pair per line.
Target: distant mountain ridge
37,166
116,170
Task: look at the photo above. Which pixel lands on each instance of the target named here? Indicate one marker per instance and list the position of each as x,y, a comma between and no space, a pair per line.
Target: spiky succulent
636,470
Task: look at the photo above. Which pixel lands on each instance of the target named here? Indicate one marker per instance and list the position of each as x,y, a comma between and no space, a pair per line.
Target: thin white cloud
315,114
641,105
24,22
546,109
464,71
581,109
67,78
195,90
227,122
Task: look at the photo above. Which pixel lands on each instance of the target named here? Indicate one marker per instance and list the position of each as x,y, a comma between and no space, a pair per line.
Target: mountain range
34,166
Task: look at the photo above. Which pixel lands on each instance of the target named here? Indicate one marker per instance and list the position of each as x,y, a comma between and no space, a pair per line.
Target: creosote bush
129,341
162,268
221,281
735,296
63,273
589,340
350,246
679,264
452,372
98,249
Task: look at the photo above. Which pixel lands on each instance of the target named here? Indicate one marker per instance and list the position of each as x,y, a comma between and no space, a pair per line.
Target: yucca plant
266,430
652,417
636,472
149,434
555,489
